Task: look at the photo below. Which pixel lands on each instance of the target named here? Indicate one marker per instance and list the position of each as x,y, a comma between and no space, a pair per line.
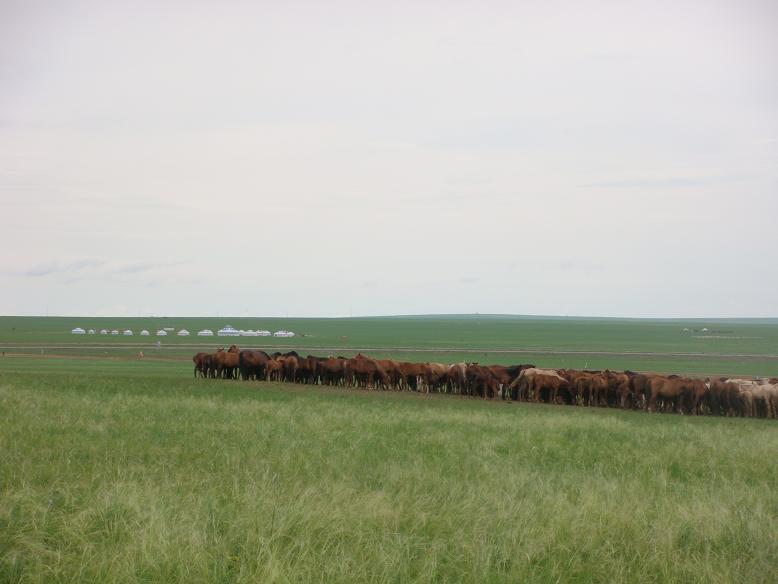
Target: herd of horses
650,392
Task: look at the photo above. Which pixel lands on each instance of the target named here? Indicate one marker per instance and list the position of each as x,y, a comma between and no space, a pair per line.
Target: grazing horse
531,384
252,364
363,371
481,381
457,377
226,362
392,370
200,364
675,392
331,370
274,369
410,373
436,376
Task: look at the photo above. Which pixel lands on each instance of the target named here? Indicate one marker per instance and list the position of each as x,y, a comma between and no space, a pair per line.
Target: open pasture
727,347
115,468
118,475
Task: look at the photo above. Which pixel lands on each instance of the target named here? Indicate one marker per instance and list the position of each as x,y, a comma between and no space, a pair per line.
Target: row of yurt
231,331
227,331
252,333
116,332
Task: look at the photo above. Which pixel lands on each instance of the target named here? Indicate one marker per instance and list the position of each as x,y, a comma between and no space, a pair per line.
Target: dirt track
347,349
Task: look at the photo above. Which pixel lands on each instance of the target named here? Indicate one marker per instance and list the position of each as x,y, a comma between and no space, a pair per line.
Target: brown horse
436,376
392,370
225,363
364,371
675,392
274,369
411,374
457,379
252,364
331,370
535,383
482,382
201,362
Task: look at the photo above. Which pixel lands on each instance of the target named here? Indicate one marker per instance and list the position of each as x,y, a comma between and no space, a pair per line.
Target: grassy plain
119,469
113,470
737,346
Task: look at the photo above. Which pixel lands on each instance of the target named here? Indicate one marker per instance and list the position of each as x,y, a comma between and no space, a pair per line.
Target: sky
366,158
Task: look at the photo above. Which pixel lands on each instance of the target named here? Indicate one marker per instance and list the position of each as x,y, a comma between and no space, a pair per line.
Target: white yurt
162,333
78,331
114,332
144,333
263,333
205,333
127,333
91,331
284,334
103,331
183,333
228,331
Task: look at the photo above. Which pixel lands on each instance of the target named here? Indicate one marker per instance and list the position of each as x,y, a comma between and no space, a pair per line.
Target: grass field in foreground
117,476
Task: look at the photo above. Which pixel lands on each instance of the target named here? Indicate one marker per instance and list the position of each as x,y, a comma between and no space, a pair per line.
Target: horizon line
407,315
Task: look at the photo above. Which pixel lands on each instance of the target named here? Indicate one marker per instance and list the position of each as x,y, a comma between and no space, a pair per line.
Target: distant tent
249,333
162,333
103,332
91,331
283,334
127,333
263,333
114,332
183,333
78,331
228,331
144,333
205,333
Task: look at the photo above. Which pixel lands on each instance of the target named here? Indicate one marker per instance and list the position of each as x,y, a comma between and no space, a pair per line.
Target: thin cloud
660,183
57,268
137,268
578,264
90,269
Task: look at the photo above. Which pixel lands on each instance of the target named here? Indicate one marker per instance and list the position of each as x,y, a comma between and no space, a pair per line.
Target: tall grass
147,479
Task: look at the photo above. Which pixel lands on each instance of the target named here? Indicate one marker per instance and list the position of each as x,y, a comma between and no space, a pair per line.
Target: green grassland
119,470
744,336
115,468
735,346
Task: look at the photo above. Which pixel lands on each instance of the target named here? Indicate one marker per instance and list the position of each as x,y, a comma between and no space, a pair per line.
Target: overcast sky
334,158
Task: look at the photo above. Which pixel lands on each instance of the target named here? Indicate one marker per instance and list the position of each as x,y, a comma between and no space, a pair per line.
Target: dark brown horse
252,364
